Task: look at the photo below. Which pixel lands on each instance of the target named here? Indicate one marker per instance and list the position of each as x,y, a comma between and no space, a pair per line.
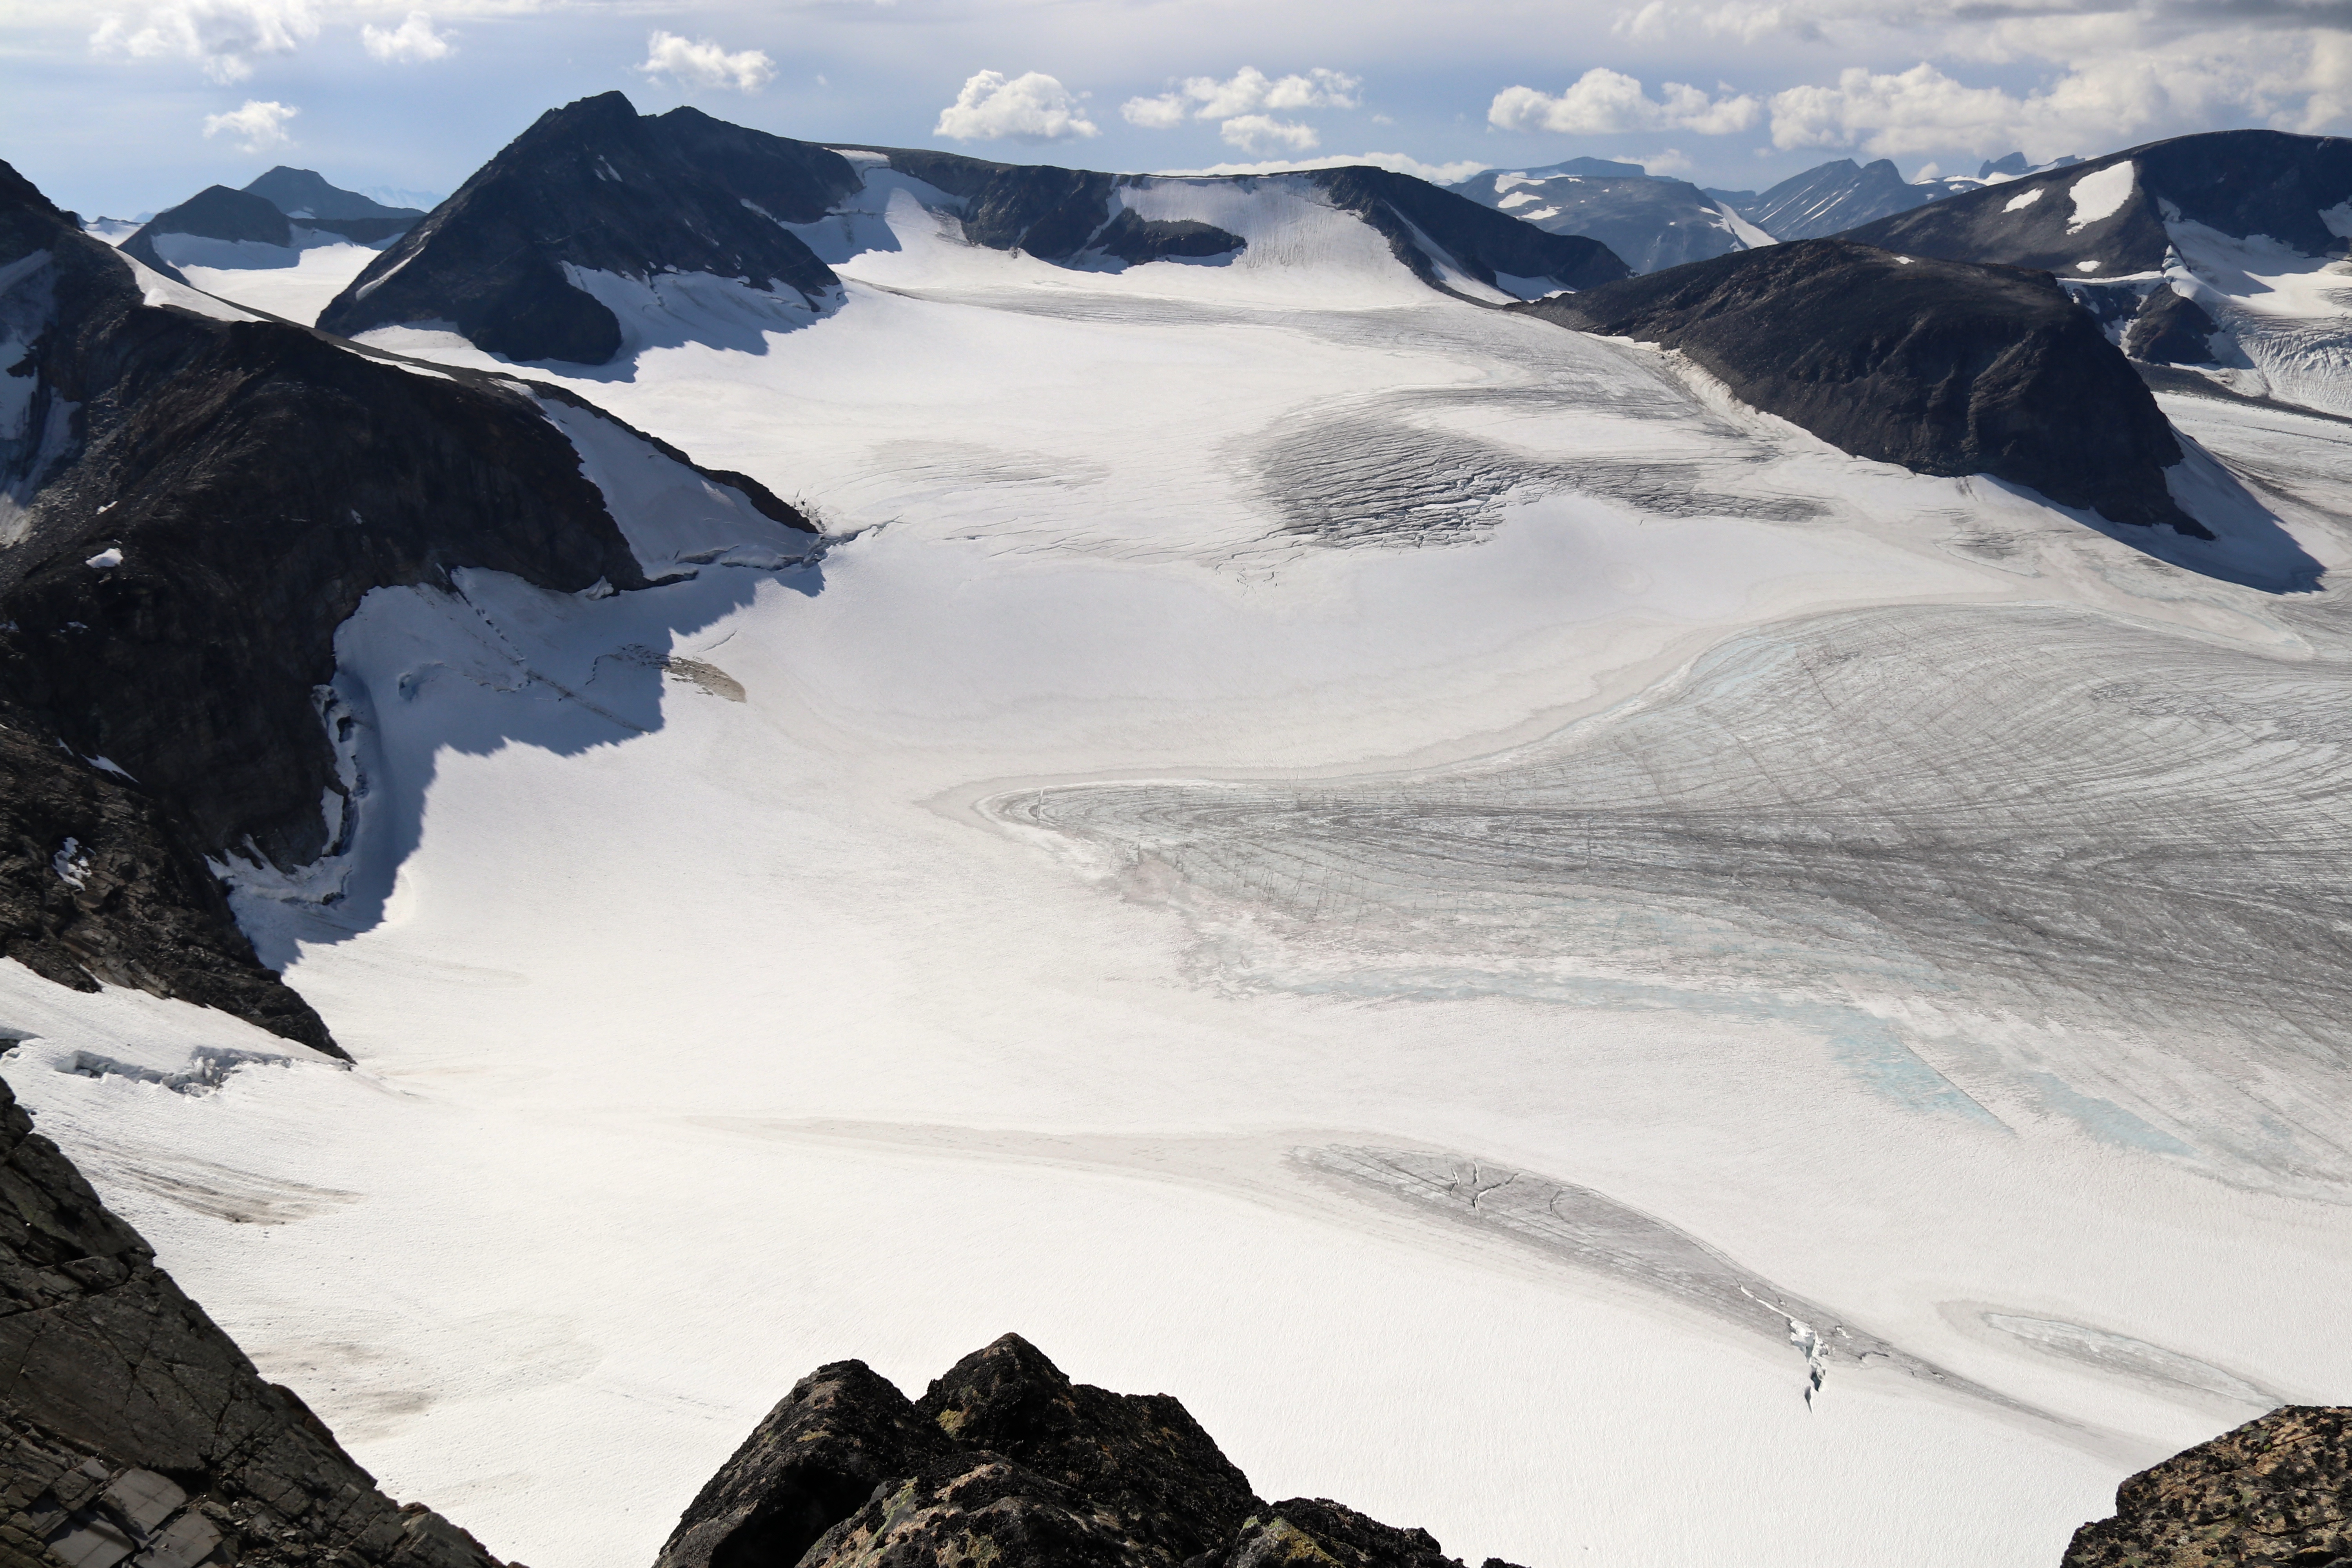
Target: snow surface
294,283
1061,907
2101,194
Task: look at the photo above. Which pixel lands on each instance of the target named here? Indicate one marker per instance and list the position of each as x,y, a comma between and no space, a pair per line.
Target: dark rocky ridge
1005,1460
1942,367
248,482
134,1432
214,212
2274,1493
305,193
2237,182
1830,198
595,185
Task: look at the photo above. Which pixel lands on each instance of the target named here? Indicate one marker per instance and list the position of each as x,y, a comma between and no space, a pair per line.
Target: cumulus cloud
1032,107
700,62
1242,99
412,41
257,126
1264,132
1604,102
222,35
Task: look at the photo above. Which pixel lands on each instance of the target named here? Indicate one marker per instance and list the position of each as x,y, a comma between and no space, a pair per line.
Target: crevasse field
1562,960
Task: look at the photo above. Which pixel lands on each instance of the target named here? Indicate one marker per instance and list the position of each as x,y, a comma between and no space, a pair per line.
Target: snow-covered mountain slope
274,253
1648,223
1318,845
641,208
2254,228
191,508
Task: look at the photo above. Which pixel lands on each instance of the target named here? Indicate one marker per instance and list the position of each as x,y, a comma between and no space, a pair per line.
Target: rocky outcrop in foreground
2275,1493
1004,1460
135,1434
1943,367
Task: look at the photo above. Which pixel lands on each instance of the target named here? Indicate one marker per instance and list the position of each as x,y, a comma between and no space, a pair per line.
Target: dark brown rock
1316,1532
1140,1454
981,1511
2274,1493
842,1431
134,1432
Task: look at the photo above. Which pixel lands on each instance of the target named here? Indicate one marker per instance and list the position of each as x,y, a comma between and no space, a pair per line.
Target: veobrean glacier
1264,757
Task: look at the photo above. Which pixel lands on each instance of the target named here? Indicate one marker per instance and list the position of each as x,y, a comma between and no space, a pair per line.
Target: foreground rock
193,504
134,1432
1004,1460
1942,367
2274,1493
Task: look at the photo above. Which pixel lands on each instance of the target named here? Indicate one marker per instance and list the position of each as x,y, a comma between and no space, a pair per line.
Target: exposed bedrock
2274,1493
192,506
134,1432
2101,219
213,213
594,185
1005,1460
1942,367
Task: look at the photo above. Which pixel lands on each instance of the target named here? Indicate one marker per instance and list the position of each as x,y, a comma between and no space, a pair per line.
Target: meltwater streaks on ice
2082,871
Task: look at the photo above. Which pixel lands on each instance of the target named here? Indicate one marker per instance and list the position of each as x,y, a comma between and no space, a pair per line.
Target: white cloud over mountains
1240,101
257,126
413,41
700,62
223,37
1031,107
1604,102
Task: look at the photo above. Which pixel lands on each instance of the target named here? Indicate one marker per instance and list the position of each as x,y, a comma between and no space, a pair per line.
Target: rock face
305,195
2274,1493
194,506
1940,367
593,186
134,1432
1005,1460
213,213
2106,216
1650,223
2171,329
1832,198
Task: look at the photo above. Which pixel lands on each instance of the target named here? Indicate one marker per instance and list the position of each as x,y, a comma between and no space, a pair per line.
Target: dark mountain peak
304,193
1601,167
215,212
1479,239
2009,163
22,201
1942,367
2237,183
1829,198
593,186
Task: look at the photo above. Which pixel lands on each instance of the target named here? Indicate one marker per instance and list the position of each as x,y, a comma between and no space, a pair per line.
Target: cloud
1262,133
222,35
1401,163
1604,102
700,62
412,41
1247,93
1032,107
257,126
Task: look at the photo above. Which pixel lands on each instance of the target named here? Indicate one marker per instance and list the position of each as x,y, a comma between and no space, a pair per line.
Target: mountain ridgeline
1943,367
596,187
193,505
286,209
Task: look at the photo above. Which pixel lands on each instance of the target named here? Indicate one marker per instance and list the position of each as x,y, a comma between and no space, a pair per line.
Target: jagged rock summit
2273,1493
195,502
593,201
1942,367
1004,1459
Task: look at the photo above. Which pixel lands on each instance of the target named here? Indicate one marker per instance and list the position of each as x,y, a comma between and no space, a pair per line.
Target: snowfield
1428,884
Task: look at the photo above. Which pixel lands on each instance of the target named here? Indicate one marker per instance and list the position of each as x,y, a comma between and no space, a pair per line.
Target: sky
129,106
